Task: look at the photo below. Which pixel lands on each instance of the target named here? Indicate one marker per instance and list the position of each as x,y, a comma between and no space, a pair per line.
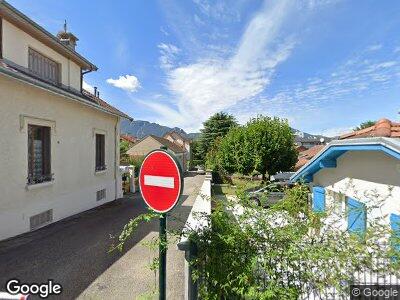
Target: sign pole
163,256
161,185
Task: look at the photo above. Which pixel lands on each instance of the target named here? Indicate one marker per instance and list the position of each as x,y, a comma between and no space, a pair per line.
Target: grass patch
238,184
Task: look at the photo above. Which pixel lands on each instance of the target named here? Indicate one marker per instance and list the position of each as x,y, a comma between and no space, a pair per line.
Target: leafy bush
278,253
264,145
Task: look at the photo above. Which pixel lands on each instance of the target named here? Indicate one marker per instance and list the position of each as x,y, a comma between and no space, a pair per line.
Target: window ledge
35,186
100,172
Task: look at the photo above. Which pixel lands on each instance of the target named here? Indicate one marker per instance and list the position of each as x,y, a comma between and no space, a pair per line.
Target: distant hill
141,129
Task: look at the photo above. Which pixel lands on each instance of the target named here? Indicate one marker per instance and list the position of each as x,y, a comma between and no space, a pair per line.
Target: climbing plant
280,252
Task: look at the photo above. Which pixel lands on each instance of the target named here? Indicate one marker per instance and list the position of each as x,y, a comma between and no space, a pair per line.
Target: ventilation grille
100,195
41,219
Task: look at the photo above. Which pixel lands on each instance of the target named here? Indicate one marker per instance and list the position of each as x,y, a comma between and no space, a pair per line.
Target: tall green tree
234,153
195,159
264,144
273,144
123,148
365,124
218,125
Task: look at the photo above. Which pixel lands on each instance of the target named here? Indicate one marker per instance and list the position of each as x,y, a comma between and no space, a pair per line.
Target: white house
59,150
352,174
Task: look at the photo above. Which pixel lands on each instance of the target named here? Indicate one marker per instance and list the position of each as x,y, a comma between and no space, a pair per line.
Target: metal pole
163,257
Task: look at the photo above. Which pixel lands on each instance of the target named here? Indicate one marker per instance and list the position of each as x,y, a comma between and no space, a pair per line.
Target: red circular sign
160,181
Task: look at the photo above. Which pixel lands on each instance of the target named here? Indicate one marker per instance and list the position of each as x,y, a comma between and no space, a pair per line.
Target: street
75,252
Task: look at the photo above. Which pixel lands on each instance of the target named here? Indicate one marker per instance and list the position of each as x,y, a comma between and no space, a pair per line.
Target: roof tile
382,128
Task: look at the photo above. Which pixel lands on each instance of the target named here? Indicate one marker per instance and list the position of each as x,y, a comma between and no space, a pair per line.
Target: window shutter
357,217
318,199
395,226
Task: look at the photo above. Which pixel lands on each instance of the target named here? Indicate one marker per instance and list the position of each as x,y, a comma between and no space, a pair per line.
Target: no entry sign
160,181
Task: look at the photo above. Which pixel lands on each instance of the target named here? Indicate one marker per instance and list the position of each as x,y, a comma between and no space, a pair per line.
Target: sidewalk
130,277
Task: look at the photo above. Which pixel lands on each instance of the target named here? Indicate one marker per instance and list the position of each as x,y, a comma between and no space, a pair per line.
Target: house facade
181,141
152,142
60,144
358,180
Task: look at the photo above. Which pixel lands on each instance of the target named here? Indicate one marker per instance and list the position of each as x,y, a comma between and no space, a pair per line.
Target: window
318,199
356,217
39,154
100,152
44,67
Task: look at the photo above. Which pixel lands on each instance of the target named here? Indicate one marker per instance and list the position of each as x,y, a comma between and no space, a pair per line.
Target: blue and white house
358,180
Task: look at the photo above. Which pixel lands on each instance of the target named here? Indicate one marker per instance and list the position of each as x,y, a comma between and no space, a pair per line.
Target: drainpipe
116,164
84,73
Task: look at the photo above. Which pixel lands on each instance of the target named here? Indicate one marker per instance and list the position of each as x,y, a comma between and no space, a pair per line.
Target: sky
325,66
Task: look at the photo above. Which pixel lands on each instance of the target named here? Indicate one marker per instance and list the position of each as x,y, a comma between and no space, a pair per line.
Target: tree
218,125
365,124
264,144
195,158
234,153
273,145
123,148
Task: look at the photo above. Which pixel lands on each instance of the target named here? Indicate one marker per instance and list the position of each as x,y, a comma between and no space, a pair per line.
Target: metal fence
384,277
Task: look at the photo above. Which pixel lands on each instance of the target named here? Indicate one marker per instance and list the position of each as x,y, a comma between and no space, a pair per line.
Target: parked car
282,178
200,170
268,195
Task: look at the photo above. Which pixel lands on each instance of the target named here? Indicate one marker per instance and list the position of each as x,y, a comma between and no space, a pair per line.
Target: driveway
74,252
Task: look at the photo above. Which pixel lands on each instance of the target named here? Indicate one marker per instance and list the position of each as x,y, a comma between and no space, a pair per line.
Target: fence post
190,254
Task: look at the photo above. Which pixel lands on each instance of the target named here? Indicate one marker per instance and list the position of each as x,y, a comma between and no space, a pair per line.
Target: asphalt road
75,252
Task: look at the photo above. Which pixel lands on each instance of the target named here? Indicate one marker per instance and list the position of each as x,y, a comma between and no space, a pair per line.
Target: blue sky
324,65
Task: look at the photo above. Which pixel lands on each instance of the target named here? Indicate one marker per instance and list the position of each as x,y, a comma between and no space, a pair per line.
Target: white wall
73,126
368,176
15,48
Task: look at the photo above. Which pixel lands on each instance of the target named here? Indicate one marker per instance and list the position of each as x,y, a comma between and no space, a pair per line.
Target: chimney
95,91
67,38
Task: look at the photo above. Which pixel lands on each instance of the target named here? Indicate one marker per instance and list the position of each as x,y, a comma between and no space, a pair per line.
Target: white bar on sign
161,181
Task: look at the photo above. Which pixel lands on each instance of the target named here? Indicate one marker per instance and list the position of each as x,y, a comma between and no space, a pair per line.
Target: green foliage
196,159
137,162
264,145
130,228
249,252
273,144
278,253
216,126
123,148
365,124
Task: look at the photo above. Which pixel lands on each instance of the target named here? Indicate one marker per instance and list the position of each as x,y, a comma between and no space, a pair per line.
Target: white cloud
213,84
168,54
374,47
86,86
128,83
336,131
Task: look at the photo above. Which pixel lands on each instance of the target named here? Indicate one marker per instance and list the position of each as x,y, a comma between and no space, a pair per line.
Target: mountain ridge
141,129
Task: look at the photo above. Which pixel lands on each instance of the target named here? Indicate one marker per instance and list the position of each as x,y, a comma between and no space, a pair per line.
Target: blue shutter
395,225
357,217
318,199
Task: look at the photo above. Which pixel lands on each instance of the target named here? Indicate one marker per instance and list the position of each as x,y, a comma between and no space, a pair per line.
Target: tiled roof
170,145
382,128
21,73
128,138
177,135
307,155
